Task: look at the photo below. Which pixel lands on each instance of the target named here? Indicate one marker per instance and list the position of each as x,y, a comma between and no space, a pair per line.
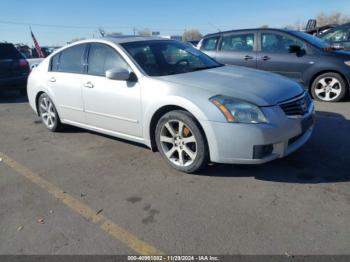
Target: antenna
216,27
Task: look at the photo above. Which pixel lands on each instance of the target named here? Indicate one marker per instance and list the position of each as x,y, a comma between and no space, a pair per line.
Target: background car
174,98
14,68
338,37
193,43
297,55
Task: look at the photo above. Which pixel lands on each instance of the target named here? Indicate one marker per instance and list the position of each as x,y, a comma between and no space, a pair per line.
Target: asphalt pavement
78,192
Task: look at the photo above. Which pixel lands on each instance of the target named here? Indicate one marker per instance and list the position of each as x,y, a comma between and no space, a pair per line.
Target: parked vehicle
14,68
338,37
193,43
312,28
174,98
302,57
321,30
31,54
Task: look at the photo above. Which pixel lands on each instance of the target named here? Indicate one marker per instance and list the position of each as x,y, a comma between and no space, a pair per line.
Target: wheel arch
37,101
162,111
312,79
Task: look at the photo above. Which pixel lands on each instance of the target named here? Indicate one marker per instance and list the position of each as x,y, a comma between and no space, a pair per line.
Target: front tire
48,113
329,87
181,142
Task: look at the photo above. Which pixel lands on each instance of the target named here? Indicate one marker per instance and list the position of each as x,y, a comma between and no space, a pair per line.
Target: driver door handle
52,79
265,58
248,57
89,85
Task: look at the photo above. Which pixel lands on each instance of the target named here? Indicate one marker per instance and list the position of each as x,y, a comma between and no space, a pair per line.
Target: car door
238,49
274,55
65,79
112,105
209,45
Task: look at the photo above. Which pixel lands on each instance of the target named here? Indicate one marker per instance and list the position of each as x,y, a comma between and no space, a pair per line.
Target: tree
115,34
334,18
191,35
144,32
264,26
296,26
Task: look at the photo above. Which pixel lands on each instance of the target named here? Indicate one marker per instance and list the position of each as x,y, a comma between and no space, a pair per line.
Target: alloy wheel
47,112
178,143
328,88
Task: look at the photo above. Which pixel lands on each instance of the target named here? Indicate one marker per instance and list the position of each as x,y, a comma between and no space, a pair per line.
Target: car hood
345,54
258,87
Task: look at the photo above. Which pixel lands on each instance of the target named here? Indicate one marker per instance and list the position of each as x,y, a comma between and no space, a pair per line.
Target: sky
57,22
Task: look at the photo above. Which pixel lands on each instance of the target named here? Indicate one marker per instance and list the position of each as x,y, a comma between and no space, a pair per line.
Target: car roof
127,39
249,29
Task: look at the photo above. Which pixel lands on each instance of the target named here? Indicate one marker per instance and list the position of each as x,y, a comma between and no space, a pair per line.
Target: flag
37,46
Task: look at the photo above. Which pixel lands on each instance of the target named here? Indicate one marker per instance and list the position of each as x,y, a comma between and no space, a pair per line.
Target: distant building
173,37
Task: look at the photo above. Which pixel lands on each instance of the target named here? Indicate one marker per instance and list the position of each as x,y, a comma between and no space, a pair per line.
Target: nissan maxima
174,99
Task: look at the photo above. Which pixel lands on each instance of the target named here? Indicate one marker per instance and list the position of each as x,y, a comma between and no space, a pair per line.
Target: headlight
238,111
347,63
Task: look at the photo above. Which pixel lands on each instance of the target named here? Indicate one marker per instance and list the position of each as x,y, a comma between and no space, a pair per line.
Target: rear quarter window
55,62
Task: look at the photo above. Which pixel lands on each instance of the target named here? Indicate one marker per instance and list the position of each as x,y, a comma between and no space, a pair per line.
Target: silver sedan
172,98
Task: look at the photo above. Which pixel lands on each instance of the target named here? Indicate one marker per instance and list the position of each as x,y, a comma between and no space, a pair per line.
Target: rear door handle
52,79
89,85
248,57
265,58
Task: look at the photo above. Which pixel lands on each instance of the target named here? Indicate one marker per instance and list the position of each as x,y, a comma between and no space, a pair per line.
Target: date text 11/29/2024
173,258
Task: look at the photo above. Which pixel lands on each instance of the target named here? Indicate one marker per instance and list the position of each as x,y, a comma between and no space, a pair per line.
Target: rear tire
329,87
48,113
181,142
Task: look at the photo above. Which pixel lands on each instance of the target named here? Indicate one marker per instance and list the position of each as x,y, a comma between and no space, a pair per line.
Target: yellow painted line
103,222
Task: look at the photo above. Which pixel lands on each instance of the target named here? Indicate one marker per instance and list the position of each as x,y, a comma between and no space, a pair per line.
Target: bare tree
334,18
144,32
115,34
296,26
191,35
101,31
264,26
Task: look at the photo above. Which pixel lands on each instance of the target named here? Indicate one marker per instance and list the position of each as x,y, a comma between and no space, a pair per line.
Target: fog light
260,152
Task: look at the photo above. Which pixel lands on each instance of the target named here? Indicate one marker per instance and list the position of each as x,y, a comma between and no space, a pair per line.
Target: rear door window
210,43
71,60
238,43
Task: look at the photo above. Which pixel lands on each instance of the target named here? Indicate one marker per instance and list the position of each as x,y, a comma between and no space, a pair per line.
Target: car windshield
162,57
320,43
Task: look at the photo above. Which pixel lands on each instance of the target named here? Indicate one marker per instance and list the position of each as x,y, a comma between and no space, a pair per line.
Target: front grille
297,106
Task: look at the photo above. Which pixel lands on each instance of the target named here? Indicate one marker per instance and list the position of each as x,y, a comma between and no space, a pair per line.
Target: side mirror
118,74
294,49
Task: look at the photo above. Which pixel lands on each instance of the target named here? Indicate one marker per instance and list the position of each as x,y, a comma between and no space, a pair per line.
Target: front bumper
238,143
